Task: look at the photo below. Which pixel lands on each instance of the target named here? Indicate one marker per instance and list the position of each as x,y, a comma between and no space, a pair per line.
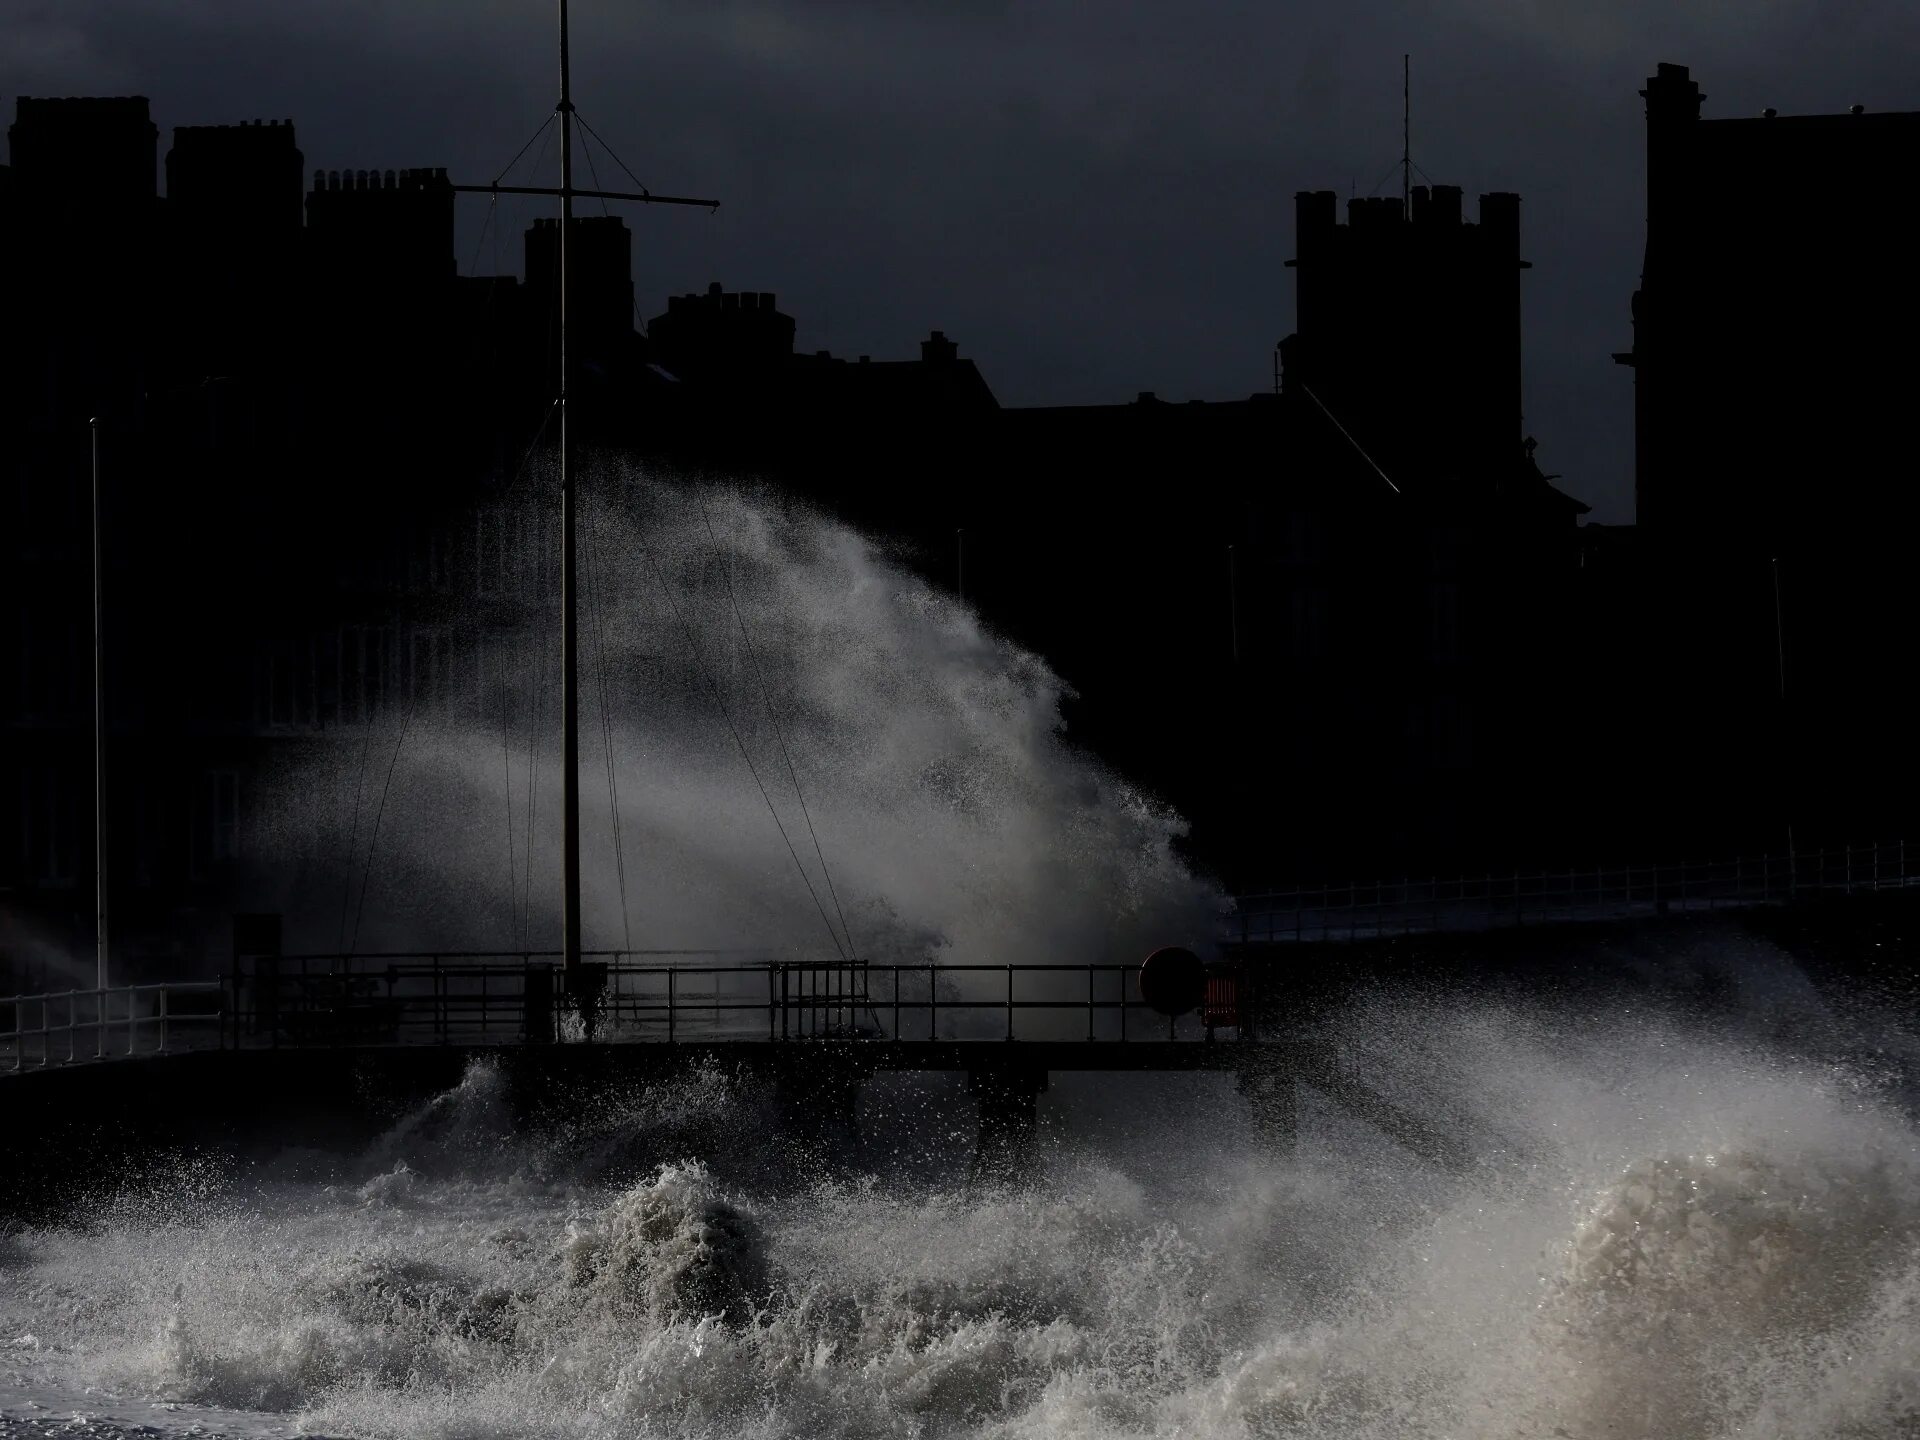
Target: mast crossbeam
558,192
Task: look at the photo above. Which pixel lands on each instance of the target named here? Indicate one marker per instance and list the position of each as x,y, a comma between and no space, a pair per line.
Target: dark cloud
1094,199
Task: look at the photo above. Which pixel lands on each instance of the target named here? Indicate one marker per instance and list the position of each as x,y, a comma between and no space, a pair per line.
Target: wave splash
1704,1241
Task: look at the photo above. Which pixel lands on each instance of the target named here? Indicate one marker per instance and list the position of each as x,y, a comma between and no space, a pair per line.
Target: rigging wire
506,765
545,125
373,842
506,714
586,153
693,646
639,324
611,153
533,752
597,622
359,789
766,697
1351,441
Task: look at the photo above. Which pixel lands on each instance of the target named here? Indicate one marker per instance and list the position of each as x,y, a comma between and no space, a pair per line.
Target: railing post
933,1004
100,1020
1090,999
1009,1002
671,972
772,1001
896,1002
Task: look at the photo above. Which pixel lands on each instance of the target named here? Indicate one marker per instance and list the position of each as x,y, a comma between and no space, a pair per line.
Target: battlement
721,330
1672,94
1437,207
353,181
247,176
383,225
90,152
274,128
119,108
717,299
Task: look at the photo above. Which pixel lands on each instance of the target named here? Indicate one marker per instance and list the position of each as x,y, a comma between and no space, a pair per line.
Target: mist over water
1675,1220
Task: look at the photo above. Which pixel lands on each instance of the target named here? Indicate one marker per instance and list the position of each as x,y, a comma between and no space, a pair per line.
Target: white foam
1702,1240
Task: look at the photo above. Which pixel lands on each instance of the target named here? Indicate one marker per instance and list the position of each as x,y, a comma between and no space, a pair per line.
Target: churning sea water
1665,1232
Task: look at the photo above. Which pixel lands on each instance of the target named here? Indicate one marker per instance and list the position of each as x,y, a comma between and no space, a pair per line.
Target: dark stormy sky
1092,199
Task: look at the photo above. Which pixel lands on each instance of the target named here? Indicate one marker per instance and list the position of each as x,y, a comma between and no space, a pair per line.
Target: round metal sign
1173,980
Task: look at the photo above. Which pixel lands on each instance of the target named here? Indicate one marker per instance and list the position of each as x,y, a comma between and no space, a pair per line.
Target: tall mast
99,743
569,627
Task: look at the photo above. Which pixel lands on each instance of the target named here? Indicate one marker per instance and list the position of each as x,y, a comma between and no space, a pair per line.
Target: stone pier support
817,1101
1270,1093
1007,1096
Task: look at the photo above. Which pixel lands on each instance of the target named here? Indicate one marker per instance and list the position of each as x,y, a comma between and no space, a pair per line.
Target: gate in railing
507,999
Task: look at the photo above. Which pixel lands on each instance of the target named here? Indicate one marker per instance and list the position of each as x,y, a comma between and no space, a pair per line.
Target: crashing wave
671,1248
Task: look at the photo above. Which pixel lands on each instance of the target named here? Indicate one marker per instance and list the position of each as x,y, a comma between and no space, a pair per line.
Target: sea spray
743,654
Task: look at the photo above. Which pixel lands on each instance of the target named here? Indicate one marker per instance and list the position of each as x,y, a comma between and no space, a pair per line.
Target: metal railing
521,997
76,1027
510,999
1501,901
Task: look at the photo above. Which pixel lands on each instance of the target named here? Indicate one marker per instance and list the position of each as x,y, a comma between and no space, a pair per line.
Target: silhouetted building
723,337
1772,346
1347,627
86,154
1774,367
236,188
387,230
234,220
599,283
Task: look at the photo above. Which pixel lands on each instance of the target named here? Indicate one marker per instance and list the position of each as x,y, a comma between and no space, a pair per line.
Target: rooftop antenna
1406,133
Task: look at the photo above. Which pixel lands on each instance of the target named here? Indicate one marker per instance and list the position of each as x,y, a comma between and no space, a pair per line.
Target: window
1307,621
366,653
427,562
49,824
1451,733
287,682
426,669
50,665
1302,543
489,552
1444,637
216,828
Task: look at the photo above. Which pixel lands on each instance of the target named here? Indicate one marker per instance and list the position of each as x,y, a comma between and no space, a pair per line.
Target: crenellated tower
1408,330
